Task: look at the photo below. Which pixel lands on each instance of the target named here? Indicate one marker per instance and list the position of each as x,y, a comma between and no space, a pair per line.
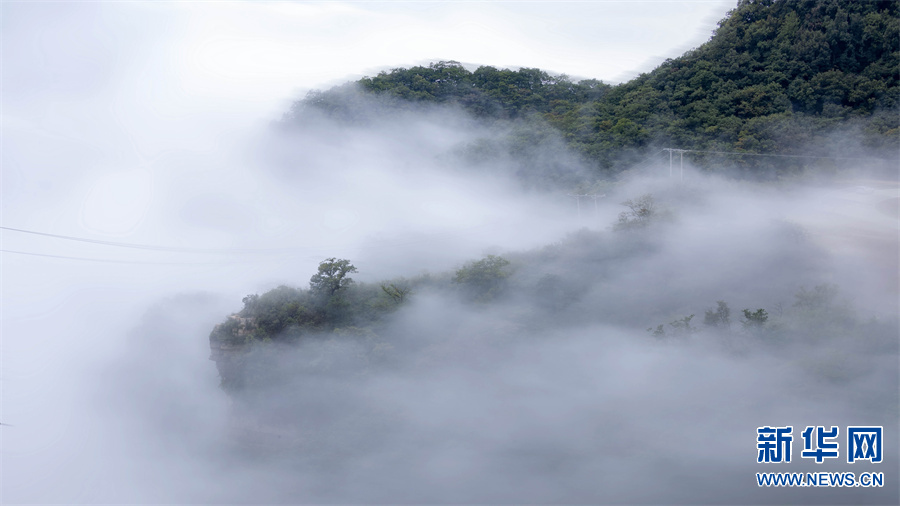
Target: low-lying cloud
553,392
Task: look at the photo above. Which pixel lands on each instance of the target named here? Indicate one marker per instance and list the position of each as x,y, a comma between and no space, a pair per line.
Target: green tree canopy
777,76
485,279
331,277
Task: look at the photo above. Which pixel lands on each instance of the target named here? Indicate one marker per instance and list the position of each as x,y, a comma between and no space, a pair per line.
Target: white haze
108,392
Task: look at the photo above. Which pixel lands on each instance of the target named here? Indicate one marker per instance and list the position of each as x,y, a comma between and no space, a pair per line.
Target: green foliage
229,331
398,291
332,276
283,310
774,75
487,91
659,331
682,326
640,213
819,313
251,302
719,317
333,300
754,320
819,298
485,279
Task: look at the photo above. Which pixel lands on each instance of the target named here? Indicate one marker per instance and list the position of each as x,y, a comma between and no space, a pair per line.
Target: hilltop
793,77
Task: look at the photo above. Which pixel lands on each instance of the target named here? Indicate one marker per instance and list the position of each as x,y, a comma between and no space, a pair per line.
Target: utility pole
577,203
591,195
681,153
595,197
670,163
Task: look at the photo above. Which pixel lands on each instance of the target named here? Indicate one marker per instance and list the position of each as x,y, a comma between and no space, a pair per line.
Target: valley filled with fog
618,356
554,391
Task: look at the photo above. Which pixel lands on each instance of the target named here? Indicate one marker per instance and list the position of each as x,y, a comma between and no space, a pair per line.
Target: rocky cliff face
229,344
310,394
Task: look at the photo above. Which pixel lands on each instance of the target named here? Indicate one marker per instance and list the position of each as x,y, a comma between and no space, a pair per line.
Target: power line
140,262
590,195
680,160
742,153
149,246
294,252
104,260
681,153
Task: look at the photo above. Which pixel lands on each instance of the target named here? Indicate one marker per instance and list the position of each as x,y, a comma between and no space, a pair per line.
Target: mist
156,218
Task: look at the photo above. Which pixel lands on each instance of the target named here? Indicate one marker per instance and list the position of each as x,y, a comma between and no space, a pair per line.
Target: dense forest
486,339
539,352
578,281
809,78
778,77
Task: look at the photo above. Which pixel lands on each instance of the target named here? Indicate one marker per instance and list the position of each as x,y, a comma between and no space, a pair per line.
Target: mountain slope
778,76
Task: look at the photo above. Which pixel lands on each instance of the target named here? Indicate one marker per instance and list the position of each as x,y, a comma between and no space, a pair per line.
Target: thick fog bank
557,391
526,399
585,379
462,405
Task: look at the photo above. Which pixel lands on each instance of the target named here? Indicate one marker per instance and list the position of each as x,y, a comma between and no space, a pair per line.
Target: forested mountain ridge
777,76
